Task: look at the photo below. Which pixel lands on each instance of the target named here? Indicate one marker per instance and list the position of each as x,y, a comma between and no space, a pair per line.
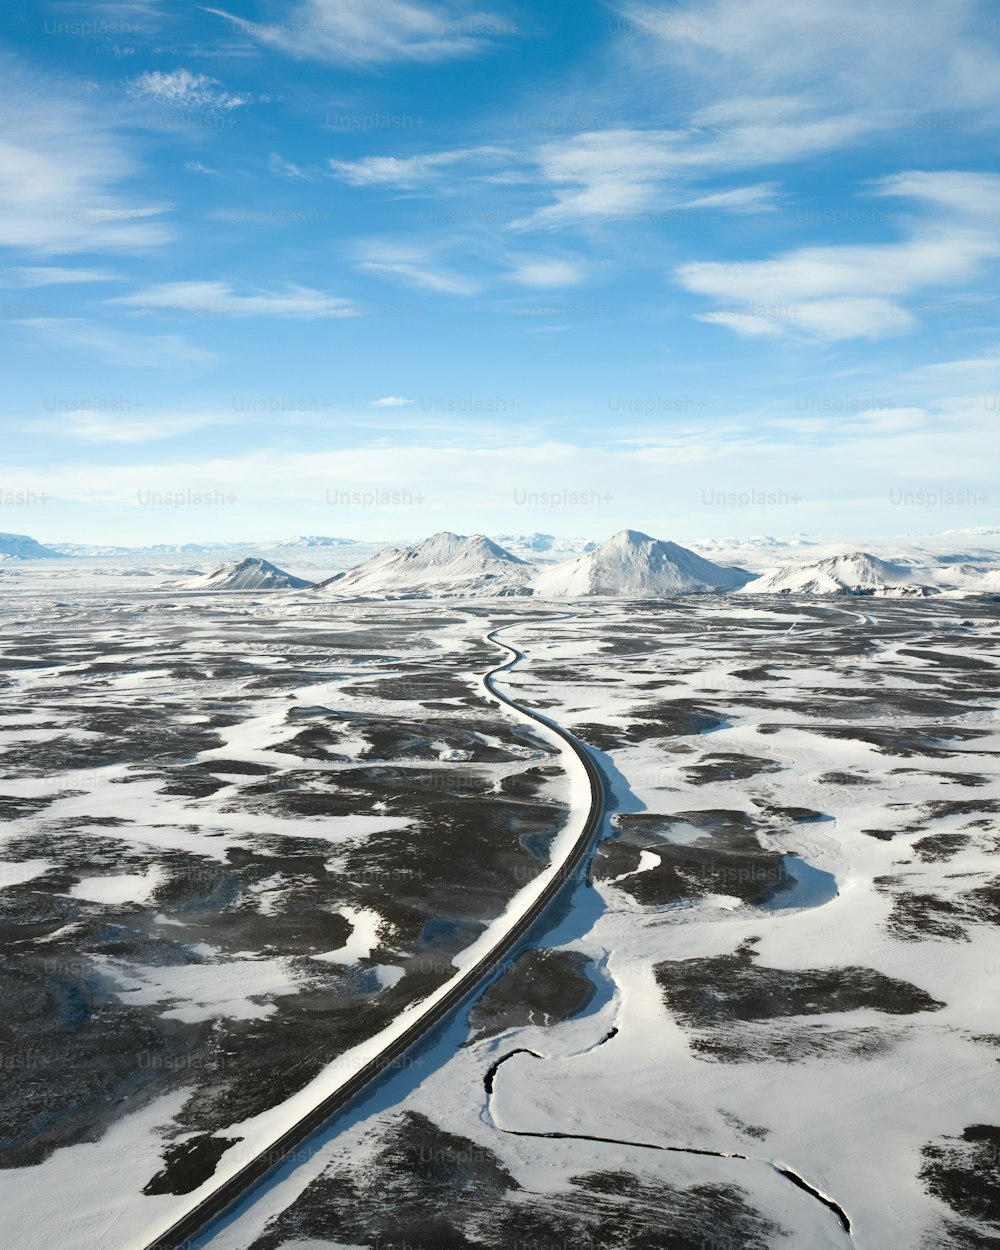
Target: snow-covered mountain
984,583
312,541
852,573
543,547
21,547
756,552
250,574
634,565
86,551
445,564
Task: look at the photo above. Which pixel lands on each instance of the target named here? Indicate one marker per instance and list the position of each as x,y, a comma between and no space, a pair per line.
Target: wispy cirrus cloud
277,164
853,55
628,173
759,84
62,173
115,347
974,196
375,32
181,88
52,275
414,267
220,299
849,317
759,198
89,425
408,171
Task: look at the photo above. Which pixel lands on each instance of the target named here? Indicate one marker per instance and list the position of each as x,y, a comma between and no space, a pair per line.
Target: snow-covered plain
846,1035
264,847
785,957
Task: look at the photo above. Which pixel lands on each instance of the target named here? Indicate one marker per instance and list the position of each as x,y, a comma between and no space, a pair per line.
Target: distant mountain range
311,542
628,565
97,550
21,547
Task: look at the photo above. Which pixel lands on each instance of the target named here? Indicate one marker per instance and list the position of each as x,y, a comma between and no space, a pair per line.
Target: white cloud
755,199
93,426
116,347
830,319
391,401
972,195
405,171
373,32
413,267
180,88
61,167
881,269
860,291
652,481
542,273
53,275
605,174
219,299
196,167
854,54
635,174
755,83
277,164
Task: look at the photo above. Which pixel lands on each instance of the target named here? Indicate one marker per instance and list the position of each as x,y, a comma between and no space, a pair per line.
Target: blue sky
376,268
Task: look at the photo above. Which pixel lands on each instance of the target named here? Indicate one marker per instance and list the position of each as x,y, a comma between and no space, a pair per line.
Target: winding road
229,1189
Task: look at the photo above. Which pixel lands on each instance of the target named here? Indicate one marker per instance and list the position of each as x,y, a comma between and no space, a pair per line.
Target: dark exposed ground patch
964,1172
264,1061
942,658
968,780
756,1132
728,860
436,884
846,779
936,809
951,1235
930,742
428,1189
939,847
723,999
667,719
188,1164
728,766
797,815
295,792
918,915
542,987
74,1057
12,807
